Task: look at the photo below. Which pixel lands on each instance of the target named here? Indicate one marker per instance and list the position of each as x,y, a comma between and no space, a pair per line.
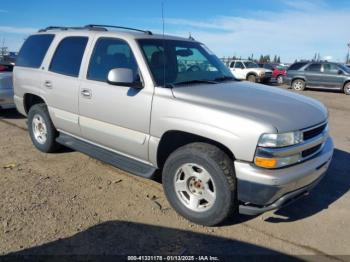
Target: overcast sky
292,29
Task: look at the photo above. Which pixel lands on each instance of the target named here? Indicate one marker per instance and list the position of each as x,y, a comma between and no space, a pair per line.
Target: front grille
311,133
310,151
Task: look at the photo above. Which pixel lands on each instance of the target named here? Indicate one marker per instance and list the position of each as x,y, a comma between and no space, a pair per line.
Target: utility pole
348,56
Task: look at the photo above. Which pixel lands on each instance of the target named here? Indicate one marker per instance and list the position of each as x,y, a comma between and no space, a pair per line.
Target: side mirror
122,77
340,72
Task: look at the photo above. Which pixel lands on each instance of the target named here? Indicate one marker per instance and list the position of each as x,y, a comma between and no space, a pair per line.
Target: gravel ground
68,203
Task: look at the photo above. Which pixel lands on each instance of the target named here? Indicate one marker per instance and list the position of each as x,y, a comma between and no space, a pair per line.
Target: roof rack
64,28
92,26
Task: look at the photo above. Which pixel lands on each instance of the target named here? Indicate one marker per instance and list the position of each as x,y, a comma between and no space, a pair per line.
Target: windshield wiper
197,81
224,78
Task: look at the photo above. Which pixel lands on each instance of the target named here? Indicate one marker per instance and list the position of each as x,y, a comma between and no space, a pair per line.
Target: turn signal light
266,162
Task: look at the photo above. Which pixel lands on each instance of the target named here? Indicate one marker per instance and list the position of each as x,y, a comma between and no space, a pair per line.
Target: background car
249,70
278,72
327,75
6,87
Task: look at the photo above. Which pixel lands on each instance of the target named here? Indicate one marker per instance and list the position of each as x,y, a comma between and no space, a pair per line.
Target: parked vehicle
6,87
223,146
326,75
348,66
249,70
278,72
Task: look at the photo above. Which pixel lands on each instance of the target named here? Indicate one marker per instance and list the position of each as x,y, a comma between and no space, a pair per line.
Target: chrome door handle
48,84
86,93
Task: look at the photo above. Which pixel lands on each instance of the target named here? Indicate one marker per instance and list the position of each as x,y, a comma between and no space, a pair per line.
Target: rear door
61,82
313,75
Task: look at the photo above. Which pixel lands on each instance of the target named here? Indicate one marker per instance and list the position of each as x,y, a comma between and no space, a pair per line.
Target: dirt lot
68,203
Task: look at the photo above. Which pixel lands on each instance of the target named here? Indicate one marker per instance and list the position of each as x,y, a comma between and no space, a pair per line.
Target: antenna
163,18
163,22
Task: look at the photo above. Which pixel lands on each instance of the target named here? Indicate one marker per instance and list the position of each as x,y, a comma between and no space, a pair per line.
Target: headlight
281,140
262,73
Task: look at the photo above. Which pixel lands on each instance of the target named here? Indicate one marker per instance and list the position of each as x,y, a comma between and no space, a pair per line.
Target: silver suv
144,102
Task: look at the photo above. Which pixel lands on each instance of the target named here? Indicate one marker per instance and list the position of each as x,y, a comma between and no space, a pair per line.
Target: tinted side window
34,50
6,68
239,65
110,53
331,68
267,66
68,56
232,64
314,68
296,66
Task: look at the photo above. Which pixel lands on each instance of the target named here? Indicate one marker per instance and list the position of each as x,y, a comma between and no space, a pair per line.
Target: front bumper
287,80
261,190
6,98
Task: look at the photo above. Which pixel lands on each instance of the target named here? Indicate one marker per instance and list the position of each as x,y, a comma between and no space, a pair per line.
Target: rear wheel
347,88
298,85
41,129
200,184
251,78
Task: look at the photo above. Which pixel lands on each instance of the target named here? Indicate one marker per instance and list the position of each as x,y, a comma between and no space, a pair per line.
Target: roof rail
92,26
64,28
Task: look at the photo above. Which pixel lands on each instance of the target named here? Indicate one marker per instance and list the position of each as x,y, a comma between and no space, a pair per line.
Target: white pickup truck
249,70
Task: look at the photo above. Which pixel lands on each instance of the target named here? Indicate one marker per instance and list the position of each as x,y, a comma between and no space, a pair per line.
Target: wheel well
298,78
173,140
346,82
30,100
251,73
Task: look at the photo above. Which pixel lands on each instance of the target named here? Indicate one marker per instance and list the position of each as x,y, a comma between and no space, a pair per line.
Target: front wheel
347,89
298,85
279,79
251,78
199,182
41,129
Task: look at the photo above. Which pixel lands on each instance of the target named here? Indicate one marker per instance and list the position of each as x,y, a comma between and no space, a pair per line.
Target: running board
122,162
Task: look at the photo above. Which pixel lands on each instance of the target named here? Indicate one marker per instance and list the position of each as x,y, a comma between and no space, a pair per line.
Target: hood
284,110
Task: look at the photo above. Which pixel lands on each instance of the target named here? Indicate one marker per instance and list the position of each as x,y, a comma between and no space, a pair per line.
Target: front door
333,76
114,117
238,70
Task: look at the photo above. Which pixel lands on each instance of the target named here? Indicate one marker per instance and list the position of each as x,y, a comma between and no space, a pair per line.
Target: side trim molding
122,162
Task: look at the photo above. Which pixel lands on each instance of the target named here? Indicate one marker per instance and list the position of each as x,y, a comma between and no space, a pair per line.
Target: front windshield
251,65
174,62
345,68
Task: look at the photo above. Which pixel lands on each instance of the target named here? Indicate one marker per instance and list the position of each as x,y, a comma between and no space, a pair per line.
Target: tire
347,88
279,79
41,129
213,200
251,78
298,85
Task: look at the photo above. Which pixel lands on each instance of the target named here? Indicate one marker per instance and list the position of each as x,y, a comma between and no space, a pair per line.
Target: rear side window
314,68
296,66
68,56
34,50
